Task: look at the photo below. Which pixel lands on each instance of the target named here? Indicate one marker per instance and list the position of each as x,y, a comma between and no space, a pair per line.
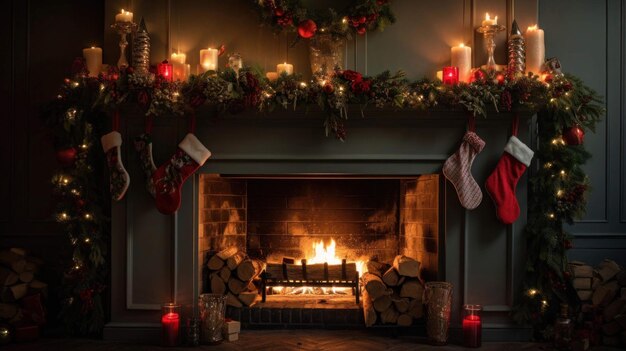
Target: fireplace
257,160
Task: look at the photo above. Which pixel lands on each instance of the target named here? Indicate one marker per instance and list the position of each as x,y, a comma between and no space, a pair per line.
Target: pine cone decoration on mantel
141,50
517,51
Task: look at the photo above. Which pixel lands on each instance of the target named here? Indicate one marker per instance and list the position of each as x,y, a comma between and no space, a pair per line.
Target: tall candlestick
208,59
535,49
461,57
93,59
124,16
284,67
170,324
472,326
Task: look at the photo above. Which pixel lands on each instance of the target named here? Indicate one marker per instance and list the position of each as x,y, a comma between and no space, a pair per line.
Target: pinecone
517,51
141,50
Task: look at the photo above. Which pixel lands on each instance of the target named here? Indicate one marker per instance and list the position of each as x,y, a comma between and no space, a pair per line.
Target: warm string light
532,292
551,215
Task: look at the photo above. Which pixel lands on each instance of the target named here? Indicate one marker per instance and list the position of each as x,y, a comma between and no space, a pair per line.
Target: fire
320,252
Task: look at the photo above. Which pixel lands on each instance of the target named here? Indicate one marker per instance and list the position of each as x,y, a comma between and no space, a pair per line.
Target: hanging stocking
458,169
503,180
118,177
143,146
168,178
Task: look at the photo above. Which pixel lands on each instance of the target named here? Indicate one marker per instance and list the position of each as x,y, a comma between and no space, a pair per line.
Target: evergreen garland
79,115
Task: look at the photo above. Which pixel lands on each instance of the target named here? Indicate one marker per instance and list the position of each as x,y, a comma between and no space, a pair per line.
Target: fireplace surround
157,259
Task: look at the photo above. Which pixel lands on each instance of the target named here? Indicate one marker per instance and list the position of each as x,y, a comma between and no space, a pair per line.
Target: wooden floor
280,340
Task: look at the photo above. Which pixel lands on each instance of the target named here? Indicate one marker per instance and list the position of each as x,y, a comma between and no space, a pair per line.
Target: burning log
406,266
318,272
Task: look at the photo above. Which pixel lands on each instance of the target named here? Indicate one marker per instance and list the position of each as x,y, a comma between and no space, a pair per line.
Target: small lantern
451,75
165,70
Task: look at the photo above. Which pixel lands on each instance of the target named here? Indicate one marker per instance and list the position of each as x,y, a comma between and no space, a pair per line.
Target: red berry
328,88
362,19
361,30
279,12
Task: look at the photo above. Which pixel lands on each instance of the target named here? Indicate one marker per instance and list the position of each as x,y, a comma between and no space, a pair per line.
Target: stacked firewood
602,291
392,294
232,273
20,291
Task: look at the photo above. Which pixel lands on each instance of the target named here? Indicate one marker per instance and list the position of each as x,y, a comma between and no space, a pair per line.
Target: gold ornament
517,51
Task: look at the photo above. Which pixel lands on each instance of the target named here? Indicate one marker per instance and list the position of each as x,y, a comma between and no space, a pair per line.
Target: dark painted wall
38,42
589,38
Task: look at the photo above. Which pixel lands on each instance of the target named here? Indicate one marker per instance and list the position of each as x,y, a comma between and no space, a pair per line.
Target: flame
531,28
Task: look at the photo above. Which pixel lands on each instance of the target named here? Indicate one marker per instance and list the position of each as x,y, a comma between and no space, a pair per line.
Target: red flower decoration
352,76
361,86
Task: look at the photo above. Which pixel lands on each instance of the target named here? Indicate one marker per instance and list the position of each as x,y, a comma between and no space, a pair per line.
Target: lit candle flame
533,27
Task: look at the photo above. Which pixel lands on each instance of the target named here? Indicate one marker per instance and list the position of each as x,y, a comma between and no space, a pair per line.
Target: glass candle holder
165,70
438,300
472,325
450,75
212,314
170,324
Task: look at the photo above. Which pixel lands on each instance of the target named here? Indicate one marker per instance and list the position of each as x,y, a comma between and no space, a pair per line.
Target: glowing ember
321,253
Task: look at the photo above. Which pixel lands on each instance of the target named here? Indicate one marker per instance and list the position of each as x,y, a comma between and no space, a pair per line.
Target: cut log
581,270
584,295
389,316
621,278
8,310
382,303
613,309
31,266
377,268
313,271
405,320
406,266
215,263
416,309
391,277
581,283
19,251
227,253
605,293
374,285
248,298
233,261
607,269
232,300
27,277
412,288
225,273
19,290
236,286
369,313
37,286
217,284
249,269
7,277
402,304
19,266
7,257
251,287
595,282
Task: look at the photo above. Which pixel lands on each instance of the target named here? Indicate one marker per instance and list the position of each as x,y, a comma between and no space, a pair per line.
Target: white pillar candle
461,57
488,21
93,59
124,16
180,70
535,49
284,67
208,59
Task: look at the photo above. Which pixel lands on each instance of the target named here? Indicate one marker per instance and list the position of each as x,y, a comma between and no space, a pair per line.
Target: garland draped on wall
558,186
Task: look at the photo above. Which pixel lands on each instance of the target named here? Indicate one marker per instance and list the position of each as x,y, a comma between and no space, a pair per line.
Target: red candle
166,70
451,75
472,326
170,325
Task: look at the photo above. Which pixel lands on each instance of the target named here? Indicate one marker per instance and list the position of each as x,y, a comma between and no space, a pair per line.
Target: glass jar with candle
212,315
170,324
472,325
326,54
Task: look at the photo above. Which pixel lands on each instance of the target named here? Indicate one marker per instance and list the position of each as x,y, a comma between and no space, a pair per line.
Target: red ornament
307,29
361,30
574,135
67,157
328,88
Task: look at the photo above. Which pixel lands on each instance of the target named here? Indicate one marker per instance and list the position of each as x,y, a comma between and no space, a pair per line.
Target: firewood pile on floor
602,291
232,273
392,293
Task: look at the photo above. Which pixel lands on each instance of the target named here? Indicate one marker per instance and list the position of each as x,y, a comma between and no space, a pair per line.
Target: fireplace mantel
153,256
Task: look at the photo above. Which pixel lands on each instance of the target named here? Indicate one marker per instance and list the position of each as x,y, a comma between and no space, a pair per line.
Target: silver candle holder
123,29
489,32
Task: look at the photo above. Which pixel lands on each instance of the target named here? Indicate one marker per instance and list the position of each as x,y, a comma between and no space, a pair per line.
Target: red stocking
168,178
